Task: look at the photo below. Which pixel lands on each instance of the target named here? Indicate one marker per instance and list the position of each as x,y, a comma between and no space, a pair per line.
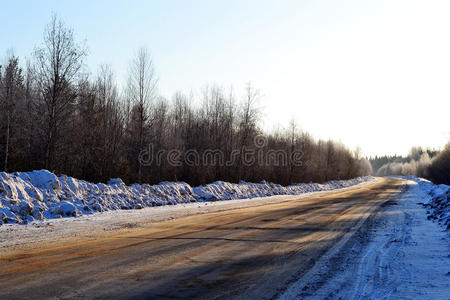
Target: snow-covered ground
39,195
399,254
436,199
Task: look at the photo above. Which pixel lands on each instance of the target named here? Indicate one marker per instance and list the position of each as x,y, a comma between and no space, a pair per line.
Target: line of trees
426,163
439,169
417,158
57,116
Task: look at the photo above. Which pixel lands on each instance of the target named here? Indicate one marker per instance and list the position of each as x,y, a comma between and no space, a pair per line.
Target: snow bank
39,195
437,198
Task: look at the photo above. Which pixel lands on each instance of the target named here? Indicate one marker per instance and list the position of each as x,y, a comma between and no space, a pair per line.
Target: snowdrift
39,195
438,201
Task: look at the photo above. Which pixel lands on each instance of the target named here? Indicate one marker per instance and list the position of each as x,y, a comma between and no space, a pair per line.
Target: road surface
246,253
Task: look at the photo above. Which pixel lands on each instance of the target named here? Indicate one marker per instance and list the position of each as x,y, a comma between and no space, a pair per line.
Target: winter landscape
225,150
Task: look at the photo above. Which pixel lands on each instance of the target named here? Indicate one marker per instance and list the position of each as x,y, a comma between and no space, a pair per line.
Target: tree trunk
8,124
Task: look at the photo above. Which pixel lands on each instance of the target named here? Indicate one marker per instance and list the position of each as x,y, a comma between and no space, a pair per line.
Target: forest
57,115
433,165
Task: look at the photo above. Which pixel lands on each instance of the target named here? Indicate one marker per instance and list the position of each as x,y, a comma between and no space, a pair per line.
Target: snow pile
220,190
39,195
438,200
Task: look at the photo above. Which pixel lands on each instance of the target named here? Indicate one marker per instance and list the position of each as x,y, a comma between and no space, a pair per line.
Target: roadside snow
397,254
37,233
437,200
40,195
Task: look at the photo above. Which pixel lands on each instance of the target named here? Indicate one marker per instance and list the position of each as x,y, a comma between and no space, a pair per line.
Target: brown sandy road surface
249,253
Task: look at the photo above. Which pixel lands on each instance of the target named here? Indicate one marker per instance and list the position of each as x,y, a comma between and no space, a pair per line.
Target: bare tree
58,62
249,117
142,84
11,84
293,136
110,119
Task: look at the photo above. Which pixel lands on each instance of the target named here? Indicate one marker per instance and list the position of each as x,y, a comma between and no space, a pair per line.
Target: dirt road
248,253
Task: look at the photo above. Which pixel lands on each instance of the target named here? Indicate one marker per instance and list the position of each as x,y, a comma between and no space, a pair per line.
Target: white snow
436,199
39,195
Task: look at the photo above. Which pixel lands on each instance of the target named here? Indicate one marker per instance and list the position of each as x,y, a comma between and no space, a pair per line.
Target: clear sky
374,74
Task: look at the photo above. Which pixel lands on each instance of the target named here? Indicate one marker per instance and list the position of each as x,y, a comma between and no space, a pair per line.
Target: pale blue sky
374,74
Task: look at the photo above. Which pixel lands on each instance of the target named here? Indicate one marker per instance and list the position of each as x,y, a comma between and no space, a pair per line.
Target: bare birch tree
58,62
141,91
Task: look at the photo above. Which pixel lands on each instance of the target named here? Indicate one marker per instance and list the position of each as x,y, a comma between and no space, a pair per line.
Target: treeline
396,163
55,115
426,163
439,169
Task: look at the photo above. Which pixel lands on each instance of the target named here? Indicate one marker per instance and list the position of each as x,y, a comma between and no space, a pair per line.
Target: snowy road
360,241
397,254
